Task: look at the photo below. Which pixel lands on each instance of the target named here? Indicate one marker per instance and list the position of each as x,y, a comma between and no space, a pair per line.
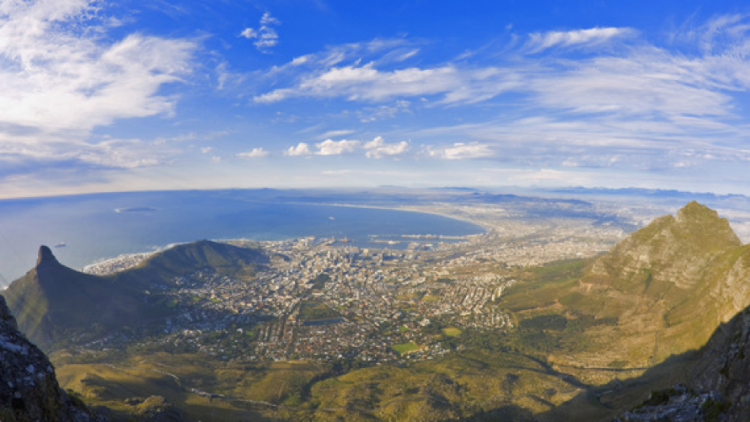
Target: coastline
130,260
484,226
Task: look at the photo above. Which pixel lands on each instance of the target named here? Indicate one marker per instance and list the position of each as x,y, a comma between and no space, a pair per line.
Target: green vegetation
452,331
544,286
552,322
177,377
315,310
711,409
446,280
405,348
319,282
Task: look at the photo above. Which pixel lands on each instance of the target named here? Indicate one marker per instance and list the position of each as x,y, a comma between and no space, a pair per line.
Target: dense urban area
323,299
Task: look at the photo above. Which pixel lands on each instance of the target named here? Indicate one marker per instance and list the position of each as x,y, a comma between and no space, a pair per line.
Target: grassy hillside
183,259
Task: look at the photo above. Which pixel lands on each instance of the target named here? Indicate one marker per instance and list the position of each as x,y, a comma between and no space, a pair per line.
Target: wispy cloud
110,153
367,83
334,133
60,82
374,114
626,103
265,36
539,41
254,153
460,151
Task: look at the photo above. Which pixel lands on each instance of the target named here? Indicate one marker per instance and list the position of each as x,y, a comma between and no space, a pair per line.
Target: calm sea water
92,229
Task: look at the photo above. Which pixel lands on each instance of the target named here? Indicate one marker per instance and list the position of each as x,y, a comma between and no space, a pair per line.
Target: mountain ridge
53,301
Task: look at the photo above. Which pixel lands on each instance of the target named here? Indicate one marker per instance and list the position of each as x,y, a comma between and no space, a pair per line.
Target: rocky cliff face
671,251
28,387
724,367
670,285
716,382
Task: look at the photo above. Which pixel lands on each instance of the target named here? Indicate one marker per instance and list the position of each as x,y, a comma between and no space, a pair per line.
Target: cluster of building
316,299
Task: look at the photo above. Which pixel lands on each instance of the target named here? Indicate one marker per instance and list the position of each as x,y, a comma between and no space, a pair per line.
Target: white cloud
59,82
644,82
334,133
373,114
301,149
265,36
330,147
338,172
366,83
461,151
122,153
206,150
256,153
593,36
377,148
631,105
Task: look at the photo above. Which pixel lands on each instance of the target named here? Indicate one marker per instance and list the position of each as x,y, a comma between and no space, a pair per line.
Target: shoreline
126,261
486,228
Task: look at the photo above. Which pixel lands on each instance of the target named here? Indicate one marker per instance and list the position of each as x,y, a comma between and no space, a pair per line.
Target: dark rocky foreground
28,388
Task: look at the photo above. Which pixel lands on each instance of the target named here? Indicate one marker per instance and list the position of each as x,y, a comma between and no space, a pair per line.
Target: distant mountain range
647,193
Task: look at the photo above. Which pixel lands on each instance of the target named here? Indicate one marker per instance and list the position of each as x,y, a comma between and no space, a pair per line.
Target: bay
87,228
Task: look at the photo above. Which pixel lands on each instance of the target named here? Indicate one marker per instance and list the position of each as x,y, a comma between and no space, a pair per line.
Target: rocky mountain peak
45,256
702,220
696,211
671,251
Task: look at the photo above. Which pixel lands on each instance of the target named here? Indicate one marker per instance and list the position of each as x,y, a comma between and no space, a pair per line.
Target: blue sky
129,95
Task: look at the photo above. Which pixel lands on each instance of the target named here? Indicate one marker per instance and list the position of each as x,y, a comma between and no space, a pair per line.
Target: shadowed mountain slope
186,258
724,366
52,301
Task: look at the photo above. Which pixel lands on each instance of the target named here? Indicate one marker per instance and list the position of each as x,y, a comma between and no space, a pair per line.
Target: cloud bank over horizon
101,96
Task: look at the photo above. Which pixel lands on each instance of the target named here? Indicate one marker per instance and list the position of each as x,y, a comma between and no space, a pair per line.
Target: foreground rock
28,387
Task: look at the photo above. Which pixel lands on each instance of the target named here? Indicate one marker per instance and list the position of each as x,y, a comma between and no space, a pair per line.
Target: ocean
84,229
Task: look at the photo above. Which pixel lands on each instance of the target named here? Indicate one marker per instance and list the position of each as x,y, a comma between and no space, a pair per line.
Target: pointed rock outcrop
45,257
